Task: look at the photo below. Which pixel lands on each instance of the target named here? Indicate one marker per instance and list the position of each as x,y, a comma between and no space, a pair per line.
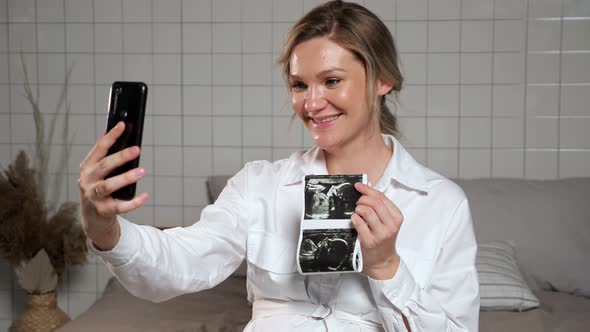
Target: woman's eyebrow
322,73
328,71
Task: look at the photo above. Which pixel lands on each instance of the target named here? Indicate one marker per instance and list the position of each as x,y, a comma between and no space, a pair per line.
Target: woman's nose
314,101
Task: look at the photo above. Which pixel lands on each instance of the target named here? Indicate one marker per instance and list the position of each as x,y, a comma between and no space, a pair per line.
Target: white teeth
326,119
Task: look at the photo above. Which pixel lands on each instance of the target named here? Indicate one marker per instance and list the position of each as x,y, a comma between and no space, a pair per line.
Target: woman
414,225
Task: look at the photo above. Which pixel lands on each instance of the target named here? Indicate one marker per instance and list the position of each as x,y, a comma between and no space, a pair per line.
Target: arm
158,265
450,301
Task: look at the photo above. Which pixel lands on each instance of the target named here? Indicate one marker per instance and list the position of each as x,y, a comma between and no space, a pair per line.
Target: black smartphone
127,103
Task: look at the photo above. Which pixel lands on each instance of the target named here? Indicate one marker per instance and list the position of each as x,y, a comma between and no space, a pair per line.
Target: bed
225,309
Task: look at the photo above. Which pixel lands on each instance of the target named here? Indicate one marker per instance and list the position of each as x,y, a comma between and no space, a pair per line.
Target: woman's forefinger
105,141
369,191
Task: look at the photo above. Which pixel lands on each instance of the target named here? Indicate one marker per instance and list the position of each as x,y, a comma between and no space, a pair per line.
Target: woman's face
329,93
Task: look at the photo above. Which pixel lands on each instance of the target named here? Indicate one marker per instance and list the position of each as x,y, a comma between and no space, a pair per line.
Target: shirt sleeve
450,301
158,265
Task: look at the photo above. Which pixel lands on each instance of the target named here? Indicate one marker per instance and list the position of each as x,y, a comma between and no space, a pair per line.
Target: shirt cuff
125,250
396,291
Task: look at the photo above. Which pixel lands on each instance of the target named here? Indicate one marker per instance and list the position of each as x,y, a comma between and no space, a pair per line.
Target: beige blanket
226,309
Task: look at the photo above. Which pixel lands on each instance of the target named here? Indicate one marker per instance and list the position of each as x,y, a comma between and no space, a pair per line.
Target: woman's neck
367,155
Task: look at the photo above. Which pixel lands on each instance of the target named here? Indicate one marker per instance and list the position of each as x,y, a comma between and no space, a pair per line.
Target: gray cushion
215,185
548,221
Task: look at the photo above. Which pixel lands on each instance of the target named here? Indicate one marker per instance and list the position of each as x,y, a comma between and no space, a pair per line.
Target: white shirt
257,217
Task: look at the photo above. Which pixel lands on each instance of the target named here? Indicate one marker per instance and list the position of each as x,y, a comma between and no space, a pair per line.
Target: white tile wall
443,36
507,133
474,163
414,133
494,88
507,163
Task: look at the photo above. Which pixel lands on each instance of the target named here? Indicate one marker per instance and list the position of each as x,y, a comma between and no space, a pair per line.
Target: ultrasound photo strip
330,197
329,251
328,241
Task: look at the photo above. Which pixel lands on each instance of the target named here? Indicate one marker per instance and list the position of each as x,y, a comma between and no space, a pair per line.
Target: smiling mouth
325,120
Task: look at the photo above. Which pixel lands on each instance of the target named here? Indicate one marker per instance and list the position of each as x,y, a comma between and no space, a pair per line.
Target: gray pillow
548,221
215,185
501,285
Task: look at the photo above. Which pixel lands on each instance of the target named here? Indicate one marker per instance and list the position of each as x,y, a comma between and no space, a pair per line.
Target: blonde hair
358,30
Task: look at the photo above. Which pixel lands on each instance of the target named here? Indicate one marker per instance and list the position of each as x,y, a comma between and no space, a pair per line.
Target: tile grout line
66,96
526,88
212,72
549,18
66,175
10,147
459,110
272,88
402,52
242,161
394,37
302,129
153,109
182,184
407,116
409,146
282,85
560,79
37,48
492,89
94,97
427,87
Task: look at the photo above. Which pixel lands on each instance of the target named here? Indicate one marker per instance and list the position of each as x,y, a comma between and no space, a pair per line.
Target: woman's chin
325,142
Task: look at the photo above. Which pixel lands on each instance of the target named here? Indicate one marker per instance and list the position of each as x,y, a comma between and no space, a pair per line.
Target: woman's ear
384,87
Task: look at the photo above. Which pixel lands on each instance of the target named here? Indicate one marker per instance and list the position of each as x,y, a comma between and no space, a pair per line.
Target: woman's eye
332,82
298,86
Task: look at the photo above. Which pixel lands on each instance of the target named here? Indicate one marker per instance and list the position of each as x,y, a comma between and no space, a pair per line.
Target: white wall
495,88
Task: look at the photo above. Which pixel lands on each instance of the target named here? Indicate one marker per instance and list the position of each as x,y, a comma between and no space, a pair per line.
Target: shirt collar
402,168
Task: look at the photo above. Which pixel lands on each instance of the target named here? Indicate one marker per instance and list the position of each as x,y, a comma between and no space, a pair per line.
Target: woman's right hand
99,209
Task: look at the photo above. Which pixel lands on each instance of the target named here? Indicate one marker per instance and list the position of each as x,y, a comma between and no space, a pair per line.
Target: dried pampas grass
32,221
26,227
22,212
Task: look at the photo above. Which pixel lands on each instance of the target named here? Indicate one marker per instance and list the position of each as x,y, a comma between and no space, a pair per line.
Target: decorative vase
40,315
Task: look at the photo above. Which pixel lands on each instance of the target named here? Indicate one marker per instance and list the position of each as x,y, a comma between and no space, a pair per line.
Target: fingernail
135,150
139,172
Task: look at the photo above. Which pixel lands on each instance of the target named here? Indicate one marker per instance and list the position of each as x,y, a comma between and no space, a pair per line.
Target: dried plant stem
66,150
41,149
42,146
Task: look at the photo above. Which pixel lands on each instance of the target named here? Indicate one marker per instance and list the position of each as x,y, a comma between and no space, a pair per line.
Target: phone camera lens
118,90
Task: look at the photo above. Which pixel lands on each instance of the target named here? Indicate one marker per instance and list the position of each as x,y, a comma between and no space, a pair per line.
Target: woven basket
40,315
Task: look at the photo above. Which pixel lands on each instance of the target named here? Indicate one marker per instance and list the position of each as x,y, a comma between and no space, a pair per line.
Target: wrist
386,269
107,238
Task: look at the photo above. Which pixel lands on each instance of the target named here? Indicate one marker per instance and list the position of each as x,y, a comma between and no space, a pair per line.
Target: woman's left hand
377,221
